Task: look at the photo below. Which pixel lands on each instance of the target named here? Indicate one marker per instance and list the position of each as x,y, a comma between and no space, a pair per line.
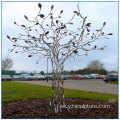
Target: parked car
94,76
6,78
38,77
74,77
111,78
87,76
77,77
16,77
101,76
81,77
48,77
26,77
65,77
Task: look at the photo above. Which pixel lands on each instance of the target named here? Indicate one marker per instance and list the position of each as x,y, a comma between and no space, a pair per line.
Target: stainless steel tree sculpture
49,36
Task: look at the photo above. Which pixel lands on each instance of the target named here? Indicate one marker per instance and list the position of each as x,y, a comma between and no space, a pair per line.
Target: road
86,85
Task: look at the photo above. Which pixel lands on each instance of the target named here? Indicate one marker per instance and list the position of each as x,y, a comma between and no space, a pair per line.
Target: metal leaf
56,21
25,17
88,30
97,30
46,32
42,16
92,37
51,17
66,47
62,27
36,23
70,23
26,41
52,7
76,12
61,11
14,38
75,51
101,48
39,5
29,55
102,33
87,33
110,34
88,24
33,37
73,43
15,23
23,25
8,37
104,23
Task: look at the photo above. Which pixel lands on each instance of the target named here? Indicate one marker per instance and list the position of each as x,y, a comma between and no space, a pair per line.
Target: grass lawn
12,91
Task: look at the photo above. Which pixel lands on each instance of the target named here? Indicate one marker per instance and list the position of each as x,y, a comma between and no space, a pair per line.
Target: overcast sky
96,12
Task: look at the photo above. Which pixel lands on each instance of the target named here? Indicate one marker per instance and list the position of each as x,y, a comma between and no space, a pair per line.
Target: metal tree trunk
57,88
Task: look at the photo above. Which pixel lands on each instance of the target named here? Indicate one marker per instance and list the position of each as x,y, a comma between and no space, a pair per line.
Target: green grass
12,91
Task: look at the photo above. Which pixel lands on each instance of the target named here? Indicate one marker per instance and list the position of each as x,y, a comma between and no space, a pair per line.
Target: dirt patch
39,108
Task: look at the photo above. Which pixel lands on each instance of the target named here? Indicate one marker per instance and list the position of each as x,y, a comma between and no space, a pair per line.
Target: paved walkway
86,85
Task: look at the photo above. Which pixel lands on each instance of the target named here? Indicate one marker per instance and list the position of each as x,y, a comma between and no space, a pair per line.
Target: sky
96,12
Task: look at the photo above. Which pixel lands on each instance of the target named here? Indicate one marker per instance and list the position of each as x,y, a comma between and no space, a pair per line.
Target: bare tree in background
7,64
95,65
49,36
